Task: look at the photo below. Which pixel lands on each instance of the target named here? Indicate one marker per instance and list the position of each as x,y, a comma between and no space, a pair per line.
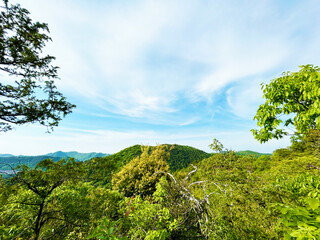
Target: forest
144,192
156,192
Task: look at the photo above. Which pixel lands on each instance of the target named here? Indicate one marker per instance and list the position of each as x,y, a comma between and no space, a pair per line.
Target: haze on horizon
155,72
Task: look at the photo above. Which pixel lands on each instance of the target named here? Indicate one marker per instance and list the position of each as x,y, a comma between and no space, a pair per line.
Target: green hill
101,169
180,156
252,153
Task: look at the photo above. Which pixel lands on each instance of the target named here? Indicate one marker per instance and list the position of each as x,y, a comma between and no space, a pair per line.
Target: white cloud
142,59
244,100
106,50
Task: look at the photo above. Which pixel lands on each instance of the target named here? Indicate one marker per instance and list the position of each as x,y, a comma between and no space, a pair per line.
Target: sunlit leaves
139,176
295,95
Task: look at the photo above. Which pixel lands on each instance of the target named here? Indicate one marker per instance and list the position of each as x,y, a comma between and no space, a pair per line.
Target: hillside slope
180,156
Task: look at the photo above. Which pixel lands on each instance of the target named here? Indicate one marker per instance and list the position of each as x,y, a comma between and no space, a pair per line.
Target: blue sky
153,72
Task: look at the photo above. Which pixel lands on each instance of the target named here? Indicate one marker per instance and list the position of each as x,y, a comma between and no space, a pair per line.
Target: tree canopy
291,100
27,90
139,176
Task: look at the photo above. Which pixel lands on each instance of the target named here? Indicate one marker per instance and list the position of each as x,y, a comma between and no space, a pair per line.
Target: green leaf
313,203
284,210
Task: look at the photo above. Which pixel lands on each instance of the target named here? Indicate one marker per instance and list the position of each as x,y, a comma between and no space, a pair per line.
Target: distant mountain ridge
180,156
31,161
6,155
77,155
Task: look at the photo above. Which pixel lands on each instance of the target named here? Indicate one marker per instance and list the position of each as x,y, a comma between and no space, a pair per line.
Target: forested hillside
221,196
180,156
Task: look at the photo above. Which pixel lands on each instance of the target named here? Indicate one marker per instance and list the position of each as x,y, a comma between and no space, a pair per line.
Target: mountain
180,156
6,163
79,156
7,160
252,153
6,155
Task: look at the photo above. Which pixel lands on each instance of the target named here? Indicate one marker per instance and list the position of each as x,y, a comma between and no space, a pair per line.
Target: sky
170,71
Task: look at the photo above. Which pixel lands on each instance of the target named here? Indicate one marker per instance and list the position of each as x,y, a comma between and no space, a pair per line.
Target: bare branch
193,171
313,166
199,182
172,177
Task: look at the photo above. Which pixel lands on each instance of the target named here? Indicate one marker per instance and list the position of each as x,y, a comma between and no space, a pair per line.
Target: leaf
313,203
287,236
111,230
284,210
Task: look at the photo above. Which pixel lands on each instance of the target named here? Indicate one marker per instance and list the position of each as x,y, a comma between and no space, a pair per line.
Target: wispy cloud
172,66
112,53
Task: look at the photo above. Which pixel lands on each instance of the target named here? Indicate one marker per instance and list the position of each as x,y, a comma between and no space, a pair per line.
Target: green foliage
217,146
310,143
147,220
21,45
126,155
105,231
140,176
300,216
296,95
100,170
181,156
171,213
190,213
241,211
30,196
224,196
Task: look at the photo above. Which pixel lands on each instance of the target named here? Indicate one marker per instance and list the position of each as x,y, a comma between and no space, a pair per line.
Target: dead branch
313,166
199,182
169,174
193,171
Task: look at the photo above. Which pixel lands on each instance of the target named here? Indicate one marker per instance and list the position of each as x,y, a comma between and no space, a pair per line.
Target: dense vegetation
222,196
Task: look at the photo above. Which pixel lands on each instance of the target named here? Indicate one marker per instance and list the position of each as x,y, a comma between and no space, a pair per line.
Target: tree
28,72
294,94
138,176
31,202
